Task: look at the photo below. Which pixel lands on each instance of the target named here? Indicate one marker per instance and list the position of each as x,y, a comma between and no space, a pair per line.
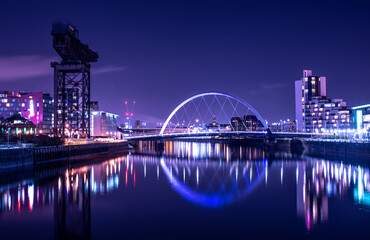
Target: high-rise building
314,109
305,89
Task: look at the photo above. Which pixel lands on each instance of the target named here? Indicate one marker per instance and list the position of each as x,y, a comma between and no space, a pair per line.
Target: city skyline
253,51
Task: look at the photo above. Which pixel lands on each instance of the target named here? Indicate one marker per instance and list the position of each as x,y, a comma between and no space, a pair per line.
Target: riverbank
28,158
356,150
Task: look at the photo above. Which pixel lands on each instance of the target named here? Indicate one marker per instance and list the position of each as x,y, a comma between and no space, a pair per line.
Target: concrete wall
10,158
28,157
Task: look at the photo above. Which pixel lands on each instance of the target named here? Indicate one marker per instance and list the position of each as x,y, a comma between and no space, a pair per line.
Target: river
191,190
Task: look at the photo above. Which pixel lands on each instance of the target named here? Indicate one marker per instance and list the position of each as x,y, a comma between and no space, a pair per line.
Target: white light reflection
31,196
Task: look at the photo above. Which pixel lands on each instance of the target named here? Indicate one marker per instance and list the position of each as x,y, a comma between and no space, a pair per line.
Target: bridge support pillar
159,147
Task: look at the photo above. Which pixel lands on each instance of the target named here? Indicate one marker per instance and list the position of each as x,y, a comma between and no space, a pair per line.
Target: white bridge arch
242,102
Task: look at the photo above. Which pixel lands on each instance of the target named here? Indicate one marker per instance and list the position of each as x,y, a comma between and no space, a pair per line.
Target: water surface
190,191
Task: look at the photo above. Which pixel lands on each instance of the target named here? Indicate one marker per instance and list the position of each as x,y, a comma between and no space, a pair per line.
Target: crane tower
71,82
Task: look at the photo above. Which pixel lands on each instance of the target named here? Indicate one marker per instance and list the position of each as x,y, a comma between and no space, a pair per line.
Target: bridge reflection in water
206,175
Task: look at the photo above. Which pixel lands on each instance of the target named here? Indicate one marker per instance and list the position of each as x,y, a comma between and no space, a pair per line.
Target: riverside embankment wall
358,150
28,157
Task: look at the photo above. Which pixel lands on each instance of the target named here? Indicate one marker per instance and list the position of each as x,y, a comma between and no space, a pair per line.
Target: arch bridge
211,114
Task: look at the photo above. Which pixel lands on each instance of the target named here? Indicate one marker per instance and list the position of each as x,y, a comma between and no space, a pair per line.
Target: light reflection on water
207,176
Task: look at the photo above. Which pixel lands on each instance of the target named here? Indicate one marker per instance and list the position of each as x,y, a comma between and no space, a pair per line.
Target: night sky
158,53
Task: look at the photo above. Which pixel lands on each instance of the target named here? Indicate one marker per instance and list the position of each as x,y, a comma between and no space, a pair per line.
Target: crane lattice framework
71,82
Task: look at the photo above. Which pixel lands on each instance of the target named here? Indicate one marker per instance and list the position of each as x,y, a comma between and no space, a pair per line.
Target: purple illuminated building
37,107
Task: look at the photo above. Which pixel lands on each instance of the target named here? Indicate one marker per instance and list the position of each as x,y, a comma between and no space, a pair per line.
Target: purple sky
161,52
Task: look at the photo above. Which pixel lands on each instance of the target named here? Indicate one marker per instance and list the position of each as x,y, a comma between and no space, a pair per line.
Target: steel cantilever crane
71,82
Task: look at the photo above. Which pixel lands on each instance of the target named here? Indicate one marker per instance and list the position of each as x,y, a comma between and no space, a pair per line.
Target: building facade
361,117
37,107
283,126
246,123
315,111
103,124
10,103
16,125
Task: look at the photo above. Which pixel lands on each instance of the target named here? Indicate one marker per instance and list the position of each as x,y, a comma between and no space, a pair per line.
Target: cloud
16,68
109,69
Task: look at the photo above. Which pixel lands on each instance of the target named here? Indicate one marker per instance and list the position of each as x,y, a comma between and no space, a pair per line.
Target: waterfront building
9,104
39,108
315,111
16,124
103,124
361,117
246,123
284,126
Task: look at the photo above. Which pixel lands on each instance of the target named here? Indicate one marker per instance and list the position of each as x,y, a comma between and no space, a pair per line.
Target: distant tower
71,82
214,121
130,105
